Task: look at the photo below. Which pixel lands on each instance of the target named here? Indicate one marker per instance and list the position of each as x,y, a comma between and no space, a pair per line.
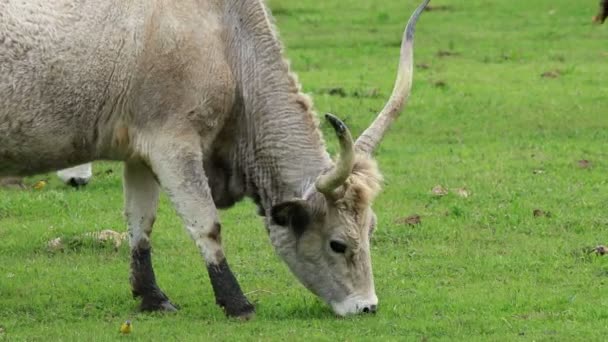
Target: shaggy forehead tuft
362,186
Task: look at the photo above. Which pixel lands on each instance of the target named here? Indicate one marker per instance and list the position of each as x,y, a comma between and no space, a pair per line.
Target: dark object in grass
337,91
411,220
602,13
440,84
600,250
541,213
436,8
369,93
551,74
445,53
584,164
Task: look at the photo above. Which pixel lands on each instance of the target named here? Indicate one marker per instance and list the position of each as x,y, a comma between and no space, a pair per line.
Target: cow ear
296,214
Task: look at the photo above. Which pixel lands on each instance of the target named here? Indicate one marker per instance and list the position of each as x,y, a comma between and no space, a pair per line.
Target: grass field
509,103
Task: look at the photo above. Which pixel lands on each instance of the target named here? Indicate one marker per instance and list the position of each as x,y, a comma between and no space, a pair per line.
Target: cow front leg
180,172
141,199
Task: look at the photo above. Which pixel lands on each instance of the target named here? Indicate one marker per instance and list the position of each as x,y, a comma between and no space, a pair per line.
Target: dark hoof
243,311
157,305
247,316
78,182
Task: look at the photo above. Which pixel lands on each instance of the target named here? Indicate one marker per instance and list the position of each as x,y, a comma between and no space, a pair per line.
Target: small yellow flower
126,327
39,185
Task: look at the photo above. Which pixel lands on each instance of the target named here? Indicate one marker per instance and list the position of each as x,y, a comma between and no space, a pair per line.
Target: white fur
83,172
354,304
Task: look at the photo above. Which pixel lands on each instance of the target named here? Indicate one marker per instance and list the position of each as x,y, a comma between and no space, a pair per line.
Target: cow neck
282,149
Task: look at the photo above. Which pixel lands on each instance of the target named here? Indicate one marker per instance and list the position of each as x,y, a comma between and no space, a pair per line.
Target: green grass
476,268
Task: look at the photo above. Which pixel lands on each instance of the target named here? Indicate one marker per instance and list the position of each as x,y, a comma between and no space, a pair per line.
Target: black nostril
78,182
366,309
373,308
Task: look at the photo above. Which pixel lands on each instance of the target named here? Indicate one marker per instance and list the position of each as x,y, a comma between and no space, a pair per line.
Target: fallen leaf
446,53
336,91
463,192
411,220
101,237
540,213
505,57
440,84
368,93
432,8
551,74
438,190
584,164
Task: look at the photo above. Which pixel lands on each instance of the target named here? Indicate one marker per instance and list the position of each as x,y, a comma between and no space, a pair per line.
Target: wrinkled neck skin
270,148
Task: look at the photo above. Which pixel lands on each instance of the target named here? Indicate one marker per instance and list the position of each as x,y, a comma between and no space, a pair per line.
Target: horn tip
336,123
411,25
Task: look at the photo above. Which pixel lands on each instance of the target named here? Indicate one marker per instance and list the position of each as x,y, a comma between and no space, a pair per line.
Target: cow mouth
356,305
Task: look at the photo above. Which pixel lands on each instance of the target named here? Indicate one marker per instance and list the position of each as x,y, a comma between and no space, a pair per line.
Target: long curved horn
372,136
329,182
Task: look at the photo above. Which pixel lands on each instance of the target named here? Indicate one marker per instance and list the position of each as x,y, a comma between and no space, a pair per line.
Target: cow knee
209,240
215,233
139,235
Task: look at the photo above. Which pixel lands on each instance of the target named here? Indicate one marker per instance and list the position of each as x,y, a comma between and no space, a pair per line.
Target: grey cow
195,98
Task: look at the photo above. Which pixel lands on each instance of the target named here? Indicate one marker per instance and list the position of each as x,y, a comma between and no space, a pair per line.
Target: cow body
195,97
89,75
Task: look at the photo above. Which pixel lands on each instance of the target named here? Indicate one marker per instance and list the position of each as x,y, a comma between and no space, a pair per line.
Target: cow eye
337,246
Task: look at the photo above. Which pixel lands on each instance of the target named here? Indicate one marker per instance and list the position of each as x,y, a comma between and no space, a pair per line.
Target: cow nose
370,309
78,182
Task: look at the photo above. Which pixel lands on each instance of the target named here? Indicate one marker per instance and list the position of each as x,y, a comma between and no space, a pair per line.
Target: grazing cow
196,98
602,12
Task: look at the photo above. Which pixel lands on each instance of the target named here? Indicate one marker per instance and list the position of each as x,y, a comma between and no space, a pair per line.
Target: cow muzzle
356,305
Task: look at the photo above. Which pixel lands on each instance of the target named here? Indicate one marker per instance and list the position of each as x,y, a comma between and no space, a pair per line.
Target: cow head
324,237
